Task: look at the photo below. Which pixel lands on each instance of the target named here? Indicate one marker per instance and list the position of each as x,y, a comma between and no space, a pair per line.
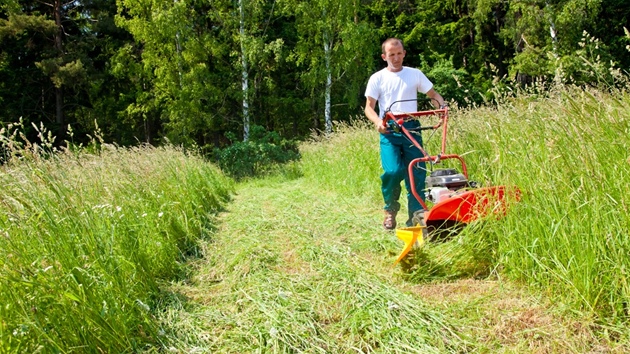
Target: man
396,83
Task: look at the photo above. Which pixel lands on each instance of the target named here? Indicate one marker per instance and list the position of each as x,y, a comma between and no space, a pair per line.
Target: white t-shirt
387,87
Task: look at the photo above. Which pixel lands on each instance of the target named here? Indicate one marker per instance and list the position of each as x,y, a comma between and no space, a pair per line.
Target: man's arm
371,114
436,98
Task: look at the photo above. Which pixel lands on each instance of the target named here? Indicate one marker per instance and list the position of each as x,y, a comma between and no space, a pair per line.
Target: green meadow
155,250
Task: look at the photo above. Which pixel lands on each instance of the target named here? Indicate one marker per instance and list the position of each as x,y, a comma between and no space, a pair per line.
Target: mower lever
438,158
393,126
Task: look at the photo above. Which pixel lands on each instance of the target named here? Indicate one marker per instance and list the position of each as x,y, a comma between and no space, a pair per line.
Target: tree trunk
245,78
327,54
59,117
552,31
178,49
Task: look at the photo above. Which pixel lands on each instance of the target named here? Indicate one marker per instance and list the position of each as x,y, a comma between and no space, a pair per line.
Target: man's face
394,55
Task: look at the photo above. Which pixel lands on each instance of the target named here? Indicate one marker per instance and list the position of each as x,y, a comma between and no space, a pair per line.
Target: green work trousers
396,154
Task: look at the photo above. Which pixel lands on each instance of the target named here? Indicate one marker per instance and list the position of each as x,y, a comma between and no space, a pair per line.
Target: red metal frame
443,122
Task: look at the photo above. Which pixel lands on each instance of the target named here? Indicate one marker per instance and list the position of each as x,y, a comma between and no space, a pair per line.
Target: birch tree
259,51
333,44
546,37
244,73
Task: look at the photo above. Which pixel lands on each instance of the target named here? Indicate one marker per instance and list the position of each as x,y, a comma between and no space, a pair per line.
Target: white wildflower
143,305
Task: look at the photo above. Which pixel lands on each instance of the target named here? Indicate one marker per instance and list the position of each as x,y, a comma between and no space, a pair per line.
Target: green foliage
18,24
333,46
259,155
181,80
23,86
592,64
63,74
52,68
158,71
454,84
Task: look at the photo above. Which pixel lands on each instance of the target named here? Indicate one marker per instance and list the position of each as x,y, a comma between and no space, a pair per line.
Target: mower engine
442,183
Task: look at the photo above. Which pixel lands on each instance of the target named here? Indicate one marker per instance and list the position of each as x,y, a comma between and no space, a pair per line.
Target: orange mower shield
461,208
467,206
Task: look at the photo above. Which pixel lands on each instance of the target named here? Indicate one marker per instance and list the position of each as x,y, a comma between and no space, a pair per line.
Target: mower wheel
418,219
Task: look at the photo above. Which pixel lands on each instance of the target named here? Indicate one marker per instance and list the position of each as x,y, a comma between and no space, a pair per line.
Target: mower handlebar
394,121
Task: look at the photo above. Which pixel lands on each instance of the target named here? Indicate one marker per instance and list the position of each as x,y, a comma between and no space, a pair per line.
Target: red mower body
457,207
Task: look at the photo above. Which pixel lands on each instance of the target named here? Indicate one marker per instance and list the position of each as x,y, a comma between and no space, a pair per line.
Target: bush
260,154
455,85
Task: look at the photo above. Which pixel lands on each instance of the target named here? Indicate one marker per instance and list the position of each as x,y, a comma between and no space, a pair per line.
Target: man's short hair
391,40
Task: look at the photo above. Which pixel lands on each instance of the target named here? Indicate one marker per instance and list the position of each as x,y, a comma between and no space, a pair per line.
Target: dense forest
202,73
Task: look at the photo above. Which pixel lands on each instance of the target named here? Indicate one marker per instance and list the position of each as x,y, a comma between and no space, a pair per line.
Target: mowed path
300,269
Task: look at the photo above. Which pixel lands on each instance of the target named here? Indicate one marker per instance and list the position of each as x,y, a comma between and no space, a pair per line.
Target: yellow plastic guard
409,235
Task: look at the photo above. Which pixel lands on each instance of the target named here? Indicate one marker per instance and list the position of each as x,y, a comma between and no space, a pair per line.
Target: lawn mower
455,200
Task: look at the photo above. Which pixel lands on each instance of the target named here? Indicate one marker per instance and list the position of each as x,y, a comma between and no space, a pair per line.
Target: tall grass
568,152
86,239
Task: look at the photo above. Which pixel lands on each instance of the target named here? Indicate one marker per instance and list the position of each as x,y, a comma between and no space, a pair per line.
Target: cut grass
295,277
294,268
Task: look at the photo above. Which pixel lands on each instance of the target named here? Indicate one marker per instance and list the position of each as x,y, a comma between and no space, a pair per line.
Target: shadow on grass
190,247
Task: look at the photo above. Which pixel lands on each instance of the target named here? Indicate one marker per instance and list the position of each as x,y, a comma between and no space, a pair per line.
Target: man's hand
436,99
380,126
371,114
